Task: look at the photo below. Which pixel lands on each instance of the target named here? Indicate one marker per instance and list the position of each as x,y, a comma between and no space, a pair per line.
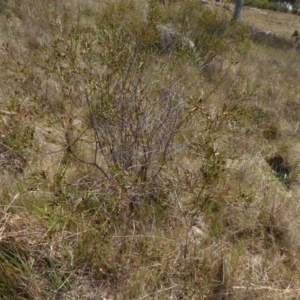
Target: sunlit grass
141,161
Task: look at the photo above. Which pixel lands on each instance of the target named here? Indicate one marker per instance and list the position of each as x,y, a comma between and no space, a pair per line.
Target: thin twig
269,288
157,292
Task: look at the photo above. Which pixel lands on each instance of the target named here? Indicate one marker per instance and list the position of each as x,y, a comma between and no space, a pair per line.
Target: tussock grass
147,151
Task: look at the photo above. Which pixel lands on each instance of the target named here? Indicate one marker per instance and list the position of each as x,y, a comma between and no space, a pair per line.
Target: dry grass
281,24
137,165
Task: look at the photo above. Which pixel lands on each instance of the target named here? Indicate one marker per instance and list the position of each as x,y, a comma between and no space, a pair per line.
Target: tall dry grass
134,167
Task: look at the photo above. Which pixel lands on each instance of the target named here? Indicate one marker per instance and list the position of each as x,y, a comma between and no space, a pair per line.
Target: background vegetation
147,151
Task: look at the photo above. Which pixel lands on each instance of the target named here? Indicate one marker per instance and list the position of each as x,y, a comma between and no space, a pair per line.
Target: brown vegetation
141,163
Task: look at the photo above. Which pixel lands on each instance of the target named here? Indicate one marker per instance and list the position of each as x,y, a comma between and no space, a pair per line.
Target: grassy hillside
148,151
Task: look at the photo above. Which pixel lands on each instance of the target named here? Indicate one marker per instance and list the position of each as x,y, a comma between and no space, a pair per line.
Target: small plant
14,283
15,143
8,13
87,11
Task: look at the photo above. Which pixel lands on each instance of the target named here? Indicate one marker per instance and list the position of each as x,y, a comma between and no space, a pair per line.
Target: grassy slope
282,24
132,169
